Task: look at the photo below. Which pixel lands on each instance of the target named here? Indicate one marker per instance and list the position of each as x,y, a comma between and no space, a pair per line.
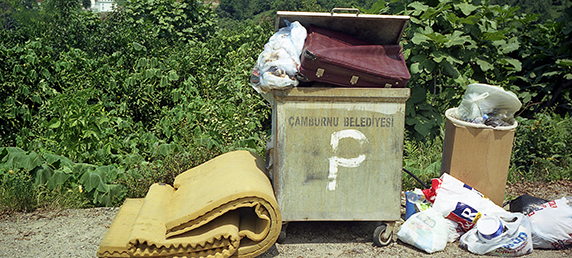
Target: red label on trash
548,205
464,215
465,225
431,193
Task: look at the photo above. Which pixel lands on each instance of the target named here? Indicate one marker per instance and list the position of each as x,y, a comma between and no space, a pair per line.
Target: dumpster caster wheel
282,237
381,236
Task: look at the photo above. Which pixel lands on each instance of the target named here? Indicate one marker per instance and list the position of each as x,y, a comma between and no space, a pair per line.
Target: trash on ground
482,226
525,204
415,202
552,224
505,234
279,62
461,203
426,230
488,105
455,231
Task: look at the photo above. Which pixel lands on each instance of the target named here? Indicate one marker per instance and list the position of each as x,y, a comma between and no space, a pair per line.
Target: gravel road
78,233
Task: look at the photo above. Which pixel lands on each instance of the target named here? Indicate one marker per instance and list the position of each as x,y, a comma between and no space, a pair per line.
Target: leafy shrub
24,172
542,148
451,44
546,77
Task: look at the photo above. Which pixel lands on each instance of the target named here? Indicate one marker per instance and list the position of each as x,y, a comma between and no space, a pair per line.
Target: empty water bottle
415,202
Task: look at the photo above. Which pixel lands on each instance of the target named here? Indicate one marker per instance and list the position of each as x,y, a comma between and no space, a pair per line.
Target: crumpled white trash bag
279,62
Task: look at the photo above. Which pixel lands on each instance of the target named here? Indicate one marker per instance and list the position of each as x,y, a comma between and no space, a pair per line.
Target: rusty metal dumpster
336,152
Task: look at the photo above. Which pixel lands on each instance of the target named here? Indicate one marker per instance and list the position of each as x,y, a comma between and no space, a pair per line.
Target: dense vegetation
96,107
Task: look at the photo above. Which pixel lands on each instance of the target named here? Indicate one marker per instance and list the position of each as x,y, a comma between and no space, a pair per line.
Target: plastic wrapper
426,230
415,202
461,203
511,238
488,105
526,204
552,224
279,62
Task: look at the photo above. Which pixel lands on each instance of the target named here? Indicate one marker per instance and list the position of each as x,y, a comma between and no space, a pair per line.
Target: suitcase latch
320,72
354,80
310,55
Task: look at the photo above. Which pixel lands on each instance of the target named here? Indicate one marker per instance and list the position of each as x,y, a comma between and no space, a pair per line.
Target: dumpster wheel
383,235
282,237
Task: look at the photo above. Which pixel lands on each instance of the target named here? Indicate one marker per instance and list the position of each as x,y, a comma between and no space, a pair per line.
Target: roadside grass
139,179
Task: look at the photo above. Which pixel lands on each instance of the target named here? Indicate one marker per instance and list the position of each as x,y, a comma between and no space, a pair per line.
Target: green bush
542,148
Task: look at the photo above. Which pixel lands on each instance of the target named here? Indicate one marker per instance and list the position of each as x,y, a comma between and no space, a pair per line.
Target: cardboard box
478,156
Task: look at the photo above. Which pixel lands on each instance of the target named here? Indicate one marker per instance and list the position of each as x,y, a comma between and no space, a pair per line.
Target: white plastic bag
514,238
487,104
552,224
461,203
426,230
455,231
278,63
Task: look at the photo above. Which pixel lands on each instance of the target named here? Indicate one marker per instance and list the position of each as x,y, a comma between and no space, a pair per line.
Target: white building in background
103,5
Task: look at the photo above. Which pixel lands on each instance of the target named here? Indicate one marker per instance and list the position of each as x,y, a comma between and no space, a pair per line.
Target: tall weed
164,170
542,148
16,191
422,159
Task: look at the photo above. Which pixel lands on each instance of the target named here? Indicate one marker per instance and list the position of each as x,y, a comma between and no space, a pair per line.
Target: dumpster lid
375,28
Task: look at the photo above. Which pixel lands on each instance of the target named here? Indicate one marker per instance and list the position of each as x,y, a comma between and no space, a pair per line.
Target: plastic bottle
416,196
414,200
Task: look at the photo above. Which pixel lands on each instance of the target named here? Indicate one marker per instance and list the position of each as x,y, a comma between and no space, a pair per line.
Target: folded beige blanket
222,208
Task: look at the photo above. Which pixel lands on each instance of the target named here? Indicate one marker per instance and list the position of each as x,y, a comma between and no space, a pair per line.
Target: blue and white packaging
509,236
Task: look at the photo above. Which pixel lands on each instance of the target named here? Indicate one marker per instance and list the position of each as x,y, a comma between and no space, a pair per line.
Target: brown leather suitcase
337,58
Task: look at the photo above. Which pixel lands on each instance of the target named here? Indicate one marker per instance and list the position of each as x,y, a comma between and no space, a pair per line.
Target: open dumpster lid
374,28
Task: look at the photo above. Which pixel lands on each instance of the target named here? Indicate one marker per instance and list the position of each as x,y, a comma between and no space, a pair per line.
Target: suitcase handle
345,9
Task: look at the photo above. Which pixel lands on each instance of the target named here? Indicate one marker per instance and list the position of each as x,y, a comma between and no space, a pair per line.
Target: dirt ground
78,233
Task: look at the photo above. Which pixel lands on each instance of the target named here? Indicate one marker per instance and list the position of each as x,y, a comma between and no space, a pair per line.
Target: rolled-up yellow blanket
222,208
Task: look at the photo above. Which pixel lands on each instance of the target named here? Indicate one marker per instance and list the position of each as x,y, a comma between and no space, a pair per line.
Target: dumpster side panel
339,157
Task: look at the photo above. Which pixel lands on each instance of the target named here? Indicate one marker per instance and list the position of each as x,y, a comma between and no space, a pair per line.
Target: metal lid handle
345,9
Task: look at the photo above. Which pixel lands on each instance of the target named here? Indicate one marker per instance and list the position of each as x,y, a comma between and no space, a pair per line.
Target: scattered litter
426,230
505,234
461,203
525,204
415,202
455,231
431,193
481,226
552,224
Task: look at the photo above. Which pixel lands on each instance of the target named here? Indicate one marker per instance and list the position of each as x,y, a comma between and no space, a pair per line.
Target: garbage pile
451,210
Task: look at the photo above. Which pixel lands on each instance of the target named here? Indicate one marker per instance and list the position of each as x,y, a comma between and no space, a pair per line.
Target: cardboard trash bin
478,155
